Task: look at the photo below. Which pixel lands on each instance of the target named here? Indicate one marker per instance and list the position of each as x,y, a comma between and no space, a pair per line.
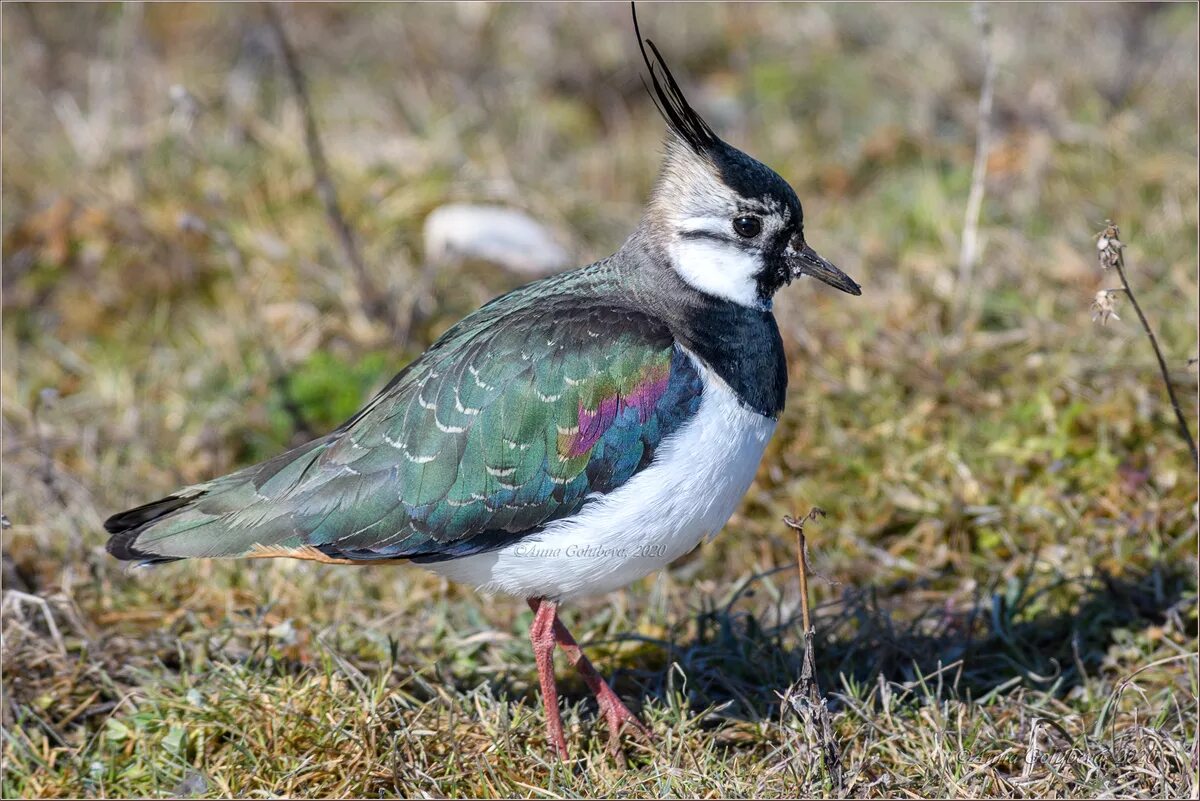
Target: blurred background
1006,485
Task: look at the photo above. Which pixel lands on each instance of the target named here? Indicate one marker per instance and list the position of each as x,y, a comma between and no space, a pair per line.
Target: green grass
1005,589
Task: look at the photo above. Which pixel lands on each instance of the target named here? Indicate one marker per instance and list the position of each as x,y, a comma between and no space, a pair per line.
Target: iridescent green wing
512,420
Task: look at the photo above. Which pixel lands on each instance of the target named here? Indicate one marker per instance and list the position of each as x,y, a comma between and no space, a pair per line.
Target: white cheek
724,271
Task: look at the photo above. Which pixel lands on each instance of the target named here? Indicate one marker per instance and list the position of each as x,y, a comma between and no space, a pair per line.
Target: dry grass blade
14,600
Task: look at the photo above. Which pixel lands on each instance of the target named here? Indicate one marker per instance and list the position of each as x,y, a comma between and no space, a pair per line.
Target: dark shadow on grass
1006,639
741,657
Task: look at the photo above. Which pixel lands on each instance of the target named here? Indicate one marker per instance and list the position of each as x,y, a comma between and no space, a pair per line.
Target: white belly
696,481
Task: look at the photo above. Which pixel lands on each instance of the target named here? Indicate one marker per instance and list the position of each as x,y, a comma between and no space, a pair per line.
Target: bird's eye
747,226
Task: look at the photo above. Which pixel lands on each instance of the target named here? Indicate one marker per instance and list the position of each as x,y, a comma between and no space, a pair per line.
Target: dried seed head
1109,245
1104,306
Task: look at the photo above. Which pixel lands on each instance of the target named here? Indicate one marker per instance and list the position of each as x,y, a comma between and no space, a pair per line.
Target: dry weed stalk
969,253
805,697
374,301
1112,255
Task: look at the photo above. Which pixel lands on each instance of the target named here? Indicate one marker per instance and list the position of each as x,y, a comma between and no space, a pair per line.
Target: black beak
806,261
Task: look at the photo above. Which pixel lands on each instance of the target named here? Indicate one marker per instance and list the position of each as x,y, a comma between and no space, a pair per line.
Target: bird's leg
541,634
611,707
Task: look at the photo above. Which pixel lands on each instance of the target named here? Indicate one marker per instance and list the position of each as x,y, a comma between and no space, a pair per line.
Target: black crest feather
668,97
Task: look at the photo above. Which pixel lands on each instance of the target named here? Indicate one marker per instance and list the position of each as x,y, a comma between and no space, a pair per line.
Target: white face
719,242
720,270
711,255
724,250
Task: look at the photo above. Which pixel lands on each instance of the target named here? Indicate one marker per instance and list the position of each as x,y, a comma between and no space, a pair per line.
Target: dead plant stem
1184,431
374,302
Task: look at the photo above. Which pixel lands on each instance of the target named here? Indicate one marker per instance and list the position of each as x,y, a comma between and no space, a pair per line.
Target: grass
1005,586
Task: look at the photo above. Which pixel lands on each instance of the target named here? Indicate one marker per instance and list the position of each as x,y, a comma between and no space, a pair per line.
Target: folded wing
511,420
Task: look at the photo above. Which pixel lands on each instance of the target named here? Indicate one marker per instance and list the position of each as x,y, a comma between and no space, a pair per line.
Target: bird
566,438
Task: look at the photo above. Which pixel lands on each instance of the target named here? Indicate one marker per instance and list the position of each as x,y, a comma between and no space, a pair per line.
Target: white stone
503,236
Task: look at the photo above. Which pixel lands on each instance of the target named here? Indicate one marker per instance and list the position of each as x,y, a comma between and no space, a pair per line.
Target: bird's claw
617,716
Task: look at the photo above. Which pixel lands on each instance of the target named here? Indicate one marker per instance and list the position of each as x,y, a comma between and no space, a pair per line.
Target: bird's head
730,225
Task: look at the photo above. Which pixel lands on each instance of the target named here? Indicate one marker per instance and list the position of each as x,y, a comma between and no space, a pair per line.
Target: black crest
747,176
669,99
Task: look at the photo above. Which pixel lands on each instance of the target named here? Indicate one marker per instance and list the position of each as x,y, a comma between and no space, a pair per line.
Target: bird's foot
547,632
617,715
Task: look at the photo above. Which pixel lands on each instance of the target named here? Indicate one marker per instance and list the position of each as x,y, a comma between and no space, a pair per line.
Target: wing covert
501,436
514,418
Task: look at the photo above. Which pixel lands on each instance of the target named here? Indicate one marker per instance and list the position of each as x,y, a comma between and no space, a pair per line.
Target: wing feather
513,419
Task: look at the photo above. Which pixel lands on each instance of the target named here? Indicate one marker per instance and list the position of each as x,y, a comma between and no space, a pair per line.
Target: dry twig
1112,254
374,301
13,600
805,698
969,253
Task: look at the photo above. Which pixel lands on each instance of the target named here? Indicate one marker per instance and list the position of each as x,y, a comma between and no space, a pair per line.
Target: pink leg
615,713
541,634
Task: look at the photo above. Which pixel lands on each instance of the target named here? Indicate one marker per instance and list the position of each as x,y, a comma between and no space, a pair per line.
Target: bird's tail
229,516
125,527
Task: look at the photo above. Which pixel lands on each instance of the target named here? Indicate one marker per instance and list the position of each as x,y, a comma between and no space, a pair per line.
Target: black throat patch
742,346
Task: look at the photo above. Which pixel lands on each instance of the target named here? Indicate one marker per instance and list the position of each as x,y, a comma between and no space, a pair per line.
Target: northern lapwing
567,438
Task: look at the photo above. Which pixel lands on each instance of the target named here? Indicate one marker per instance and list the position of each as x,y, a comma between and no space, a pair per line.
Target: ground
1005,582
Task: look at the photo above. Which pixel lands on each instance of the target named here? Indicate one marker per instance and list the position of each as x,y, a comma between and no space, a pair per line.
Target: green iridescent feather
509,421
